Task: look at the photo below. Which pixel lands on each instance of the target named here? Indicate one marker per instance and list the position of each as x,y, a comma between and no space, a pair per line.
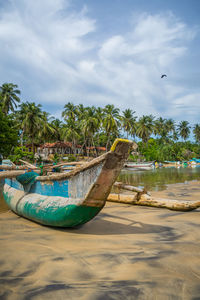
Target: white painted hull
146,166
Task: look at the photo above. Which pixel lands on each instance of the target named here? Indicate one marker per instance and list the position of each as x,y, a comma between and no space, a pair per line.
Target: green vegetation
155,149
8,134
71,158
160,139
21,153
8,97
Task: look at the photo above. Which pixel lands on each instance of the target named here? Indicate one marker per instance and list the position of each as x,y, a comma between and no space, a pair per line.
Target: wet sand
126,252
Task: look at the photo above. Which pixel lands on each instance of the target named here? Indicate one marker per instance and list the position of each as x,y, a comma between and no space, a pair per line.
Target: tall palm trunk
22,137
32,145
94,147
108,141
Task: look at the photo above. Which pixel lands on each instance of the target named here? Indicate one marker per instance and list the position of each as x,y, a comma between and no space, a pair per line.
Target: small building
62,148
32,147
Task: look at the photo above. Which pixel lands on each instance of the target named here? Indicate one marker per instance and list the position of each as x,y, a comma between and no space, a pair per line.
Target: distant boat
143,165
7,162
71,198
194,161
175,163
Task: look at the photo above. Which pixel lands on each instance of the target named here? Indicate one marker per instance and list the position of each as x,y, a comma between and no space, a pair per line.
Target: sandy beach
126,252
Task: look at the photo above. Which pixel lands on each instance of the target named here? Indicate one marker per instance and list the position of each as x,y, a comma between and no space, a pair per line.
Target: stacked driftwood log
137,197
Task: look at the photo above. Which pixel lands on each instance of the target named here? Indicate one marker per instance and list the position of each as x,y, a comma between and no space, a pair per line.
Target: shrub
21,153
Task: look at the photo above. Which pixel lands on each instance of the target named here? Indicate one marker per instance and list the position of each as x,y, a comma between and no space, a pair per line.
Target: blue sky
104,52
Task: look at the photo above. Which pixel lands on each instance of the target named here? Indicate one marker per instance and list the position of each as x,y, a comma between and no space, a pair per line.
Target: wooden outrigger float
147,200
66,199
143,198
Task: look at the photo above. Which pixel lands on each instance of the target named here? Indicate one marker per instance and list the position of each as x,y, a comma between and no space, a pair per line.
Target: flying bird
164,75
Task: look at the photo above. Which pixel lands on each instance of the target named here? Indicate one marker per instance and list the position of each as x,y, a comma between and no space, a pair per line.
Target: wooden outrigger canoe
72,198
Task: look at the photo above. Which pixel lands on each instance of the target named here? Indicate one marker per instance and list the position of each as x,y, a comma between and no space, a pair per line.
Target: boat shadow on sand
103,224
107,224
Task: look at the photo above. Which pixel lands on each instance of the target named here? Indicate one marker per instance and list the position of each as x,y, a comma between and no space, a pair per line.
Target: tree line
26,122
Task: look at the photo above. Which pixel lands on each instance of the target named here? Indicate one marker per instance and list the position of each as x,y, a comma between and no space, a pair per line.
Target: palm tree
80,111
70,132
57,125
171,127
145,127
70,111
99,115
128,121
184,129
47,131
90,125
20,116
175,135
111,121
8,97
160,127
31,120
196,132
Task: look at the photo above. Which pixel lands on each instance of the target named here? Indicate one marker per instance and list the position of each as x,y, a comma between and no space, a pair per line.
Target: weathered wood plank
146,200
14,173
11,174
6,167
28,164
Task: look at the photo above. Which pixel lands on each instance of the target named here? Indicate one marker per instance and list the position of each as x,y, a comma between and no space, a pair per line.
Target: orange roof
98,148
30,145
101,148
57,145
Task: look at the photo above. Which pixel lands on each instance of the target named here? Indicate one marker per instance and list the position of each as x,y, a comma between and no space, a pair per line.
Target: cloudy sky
104,52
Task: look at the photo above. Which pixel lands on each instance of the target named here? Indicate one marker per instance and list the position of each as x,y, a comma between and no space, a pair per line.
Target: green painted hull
48,211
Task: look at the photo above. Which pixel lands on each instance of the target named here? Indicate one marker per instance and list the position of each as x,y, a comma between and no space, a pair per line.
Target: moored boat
143,165
71,198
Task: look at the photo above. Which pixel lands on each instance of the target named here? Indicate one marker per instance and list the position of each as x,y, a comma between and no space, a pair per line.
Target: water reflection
158,179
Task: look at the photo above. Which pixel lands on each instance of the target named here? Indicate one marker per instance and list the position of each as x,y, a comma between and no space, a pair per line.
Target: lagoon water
158,179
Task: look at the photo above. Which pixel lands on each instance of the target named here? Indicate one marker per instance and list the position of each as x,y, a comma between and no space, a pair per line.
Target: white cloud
40,32
54,54
184,104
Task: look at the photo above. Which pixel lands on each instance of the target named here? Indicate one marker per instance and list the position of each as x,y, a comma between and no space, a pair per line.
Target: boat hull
66,199
49,210
146,166
57,203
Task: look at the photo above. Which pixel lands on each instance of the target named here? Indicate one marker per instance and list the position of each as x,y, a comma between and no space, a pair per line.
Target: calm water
153,180
158,179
